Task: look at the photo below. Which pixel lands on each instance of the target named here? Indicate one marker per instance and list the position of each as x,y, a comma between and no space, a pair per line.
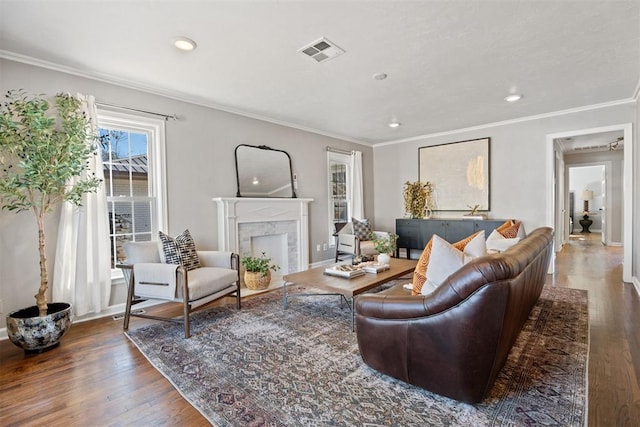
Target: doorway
557,185
591,207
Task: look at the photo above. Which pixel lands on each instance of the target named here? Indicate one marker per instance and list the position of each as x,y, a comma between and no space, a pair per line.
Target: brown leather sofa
455,341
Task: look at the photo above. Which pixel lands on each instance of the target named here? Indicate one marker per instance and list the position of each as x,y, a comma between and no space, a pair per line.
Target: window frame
334,157
156,163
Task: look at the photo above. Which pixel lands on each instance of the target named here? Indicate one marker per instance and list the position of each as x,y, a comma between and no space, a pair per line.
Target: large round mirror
262,171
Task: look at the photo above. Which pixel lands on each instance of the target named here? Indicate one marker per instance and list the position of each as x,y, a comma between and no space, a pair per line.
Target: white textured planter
384,259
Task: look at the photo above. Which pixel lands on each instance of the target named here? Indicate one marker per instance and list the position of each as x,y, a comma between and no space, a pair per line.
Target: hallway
614,319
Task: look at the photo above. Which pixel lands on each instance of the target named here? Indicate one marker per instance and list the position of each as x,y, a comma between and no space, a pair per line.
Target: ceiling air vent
321,50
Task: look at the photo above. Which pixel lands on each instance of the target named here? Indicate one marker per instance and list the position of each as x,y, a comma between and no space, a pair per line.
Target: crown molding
130,84
512,121
636,93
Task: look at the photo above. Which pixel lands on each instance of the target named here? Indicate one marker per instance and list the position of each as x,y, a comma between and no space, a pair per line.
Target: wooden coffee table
347,289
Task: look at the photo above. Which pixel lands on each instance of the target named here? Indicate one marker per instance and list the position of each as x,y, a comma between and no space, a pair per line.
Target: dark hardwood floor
98,377
614,324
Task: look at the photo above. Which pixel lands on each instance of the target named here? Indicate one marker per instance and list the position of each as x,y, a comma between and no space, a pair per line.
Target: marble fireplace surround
242,218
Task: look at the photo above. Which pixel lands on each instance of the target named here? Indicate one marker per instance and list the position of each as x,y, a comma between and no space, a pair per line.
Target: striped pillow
420,273
511,229
180,250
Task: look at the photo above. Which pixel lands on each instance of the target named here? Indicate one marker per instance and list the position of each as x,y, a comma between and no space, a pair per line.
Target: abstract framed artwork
459,172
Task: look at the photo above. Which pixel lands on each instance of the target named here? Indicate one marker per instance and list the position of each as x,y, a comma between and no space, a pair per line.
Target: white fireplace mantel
234,211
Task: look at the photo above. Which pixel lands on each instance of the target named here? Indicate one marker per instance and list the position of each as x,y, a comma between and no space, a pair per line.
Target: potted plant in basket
257,275
385,245
40,152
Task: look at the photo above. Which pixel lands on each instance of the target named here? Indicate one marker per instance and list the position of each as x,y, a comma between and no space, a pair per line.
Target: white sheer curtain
82,269
357,198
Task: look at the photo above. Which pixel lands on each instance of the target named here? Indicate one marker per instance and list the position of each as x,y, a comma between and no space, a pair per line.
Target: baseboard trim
636,284
322,263
110,311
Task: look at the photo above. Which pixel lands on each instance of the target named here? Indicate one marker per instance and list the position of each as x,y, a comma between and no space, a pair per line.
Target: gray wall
518,164
200,166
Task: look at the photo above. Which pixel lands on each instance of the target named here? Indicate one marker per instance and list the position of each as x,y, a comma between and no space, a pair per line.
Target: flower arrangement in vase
418,199
385,244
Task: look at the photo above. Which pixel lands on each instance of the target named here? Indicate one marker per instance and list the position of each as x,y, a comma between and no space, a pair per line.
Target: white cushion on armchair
206,281
215,259
349,243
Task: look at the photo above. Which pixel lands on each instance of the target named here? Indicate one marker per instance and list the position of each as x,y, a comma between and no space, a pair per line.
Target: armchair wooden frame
183,284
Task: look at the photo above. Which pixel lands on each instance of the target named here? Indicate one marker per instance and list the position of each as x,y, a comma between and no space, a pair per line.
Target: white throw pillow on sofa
496,242
446,259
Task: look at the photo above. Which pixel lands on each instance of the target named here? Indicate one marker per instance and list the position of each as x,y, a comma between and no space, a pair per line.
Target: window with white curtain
133,158
339,198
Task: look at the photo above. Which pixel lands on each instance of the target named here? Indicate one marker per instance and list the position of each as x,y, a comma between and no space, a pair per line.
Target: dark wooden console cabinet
415,233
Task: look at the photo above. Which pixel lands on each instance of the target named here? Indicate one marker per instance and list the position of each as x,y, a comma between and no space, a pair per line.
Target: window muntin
339,198
133,161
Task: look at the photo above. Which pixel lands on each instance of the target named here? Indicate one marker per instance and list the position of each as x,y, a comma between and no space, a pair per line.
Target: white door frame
607,167
552,210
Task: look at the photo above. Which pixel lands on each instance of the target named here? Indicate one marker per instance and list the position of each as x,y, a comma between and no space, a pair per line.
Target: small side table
585,223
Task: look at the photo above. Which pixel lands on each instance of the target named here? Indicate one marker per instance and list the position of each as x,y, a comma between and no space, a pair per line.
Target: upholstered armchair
149,277
350,241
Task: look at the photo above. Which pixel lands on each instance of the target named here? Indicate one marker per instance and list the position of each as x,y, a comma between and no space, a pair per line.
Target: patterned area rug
266,366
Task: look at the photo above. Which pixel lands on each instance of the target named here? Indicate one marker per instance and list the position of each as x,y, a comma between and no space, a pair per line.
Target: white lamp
587,195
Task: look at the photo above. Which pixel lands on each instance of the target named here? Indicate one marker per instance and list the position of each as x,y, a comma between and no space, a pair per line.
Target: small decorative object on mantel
418,200
257,275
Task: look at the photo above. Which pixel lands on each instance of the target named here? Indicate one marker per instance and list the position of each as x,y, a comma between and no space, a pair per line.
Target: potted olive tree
41,150
257,275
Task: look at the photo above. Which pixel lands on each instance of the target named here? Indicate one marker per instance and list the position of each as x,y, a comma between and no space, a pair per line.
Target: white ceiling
449,63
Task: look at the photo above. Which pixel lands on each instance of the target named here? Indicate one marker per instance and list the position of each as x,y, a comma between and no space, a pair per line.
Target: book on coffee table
346,271
375,268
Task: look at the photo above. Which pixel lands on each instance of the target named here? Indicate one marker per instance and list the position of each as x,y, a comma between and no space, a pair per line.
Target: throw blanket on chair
154,280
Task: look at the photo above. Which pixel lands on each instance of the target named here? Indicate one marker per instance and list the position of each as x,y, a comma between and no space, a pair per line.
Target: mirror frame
263,147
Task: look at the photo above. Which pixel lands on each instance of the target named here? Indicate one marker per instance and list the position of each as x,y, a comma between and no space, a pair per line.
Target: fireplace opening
274,246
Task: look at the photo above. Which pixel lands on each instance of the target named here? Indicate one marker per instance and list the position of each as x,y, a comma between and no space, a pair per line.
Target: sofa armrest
396,307
450,351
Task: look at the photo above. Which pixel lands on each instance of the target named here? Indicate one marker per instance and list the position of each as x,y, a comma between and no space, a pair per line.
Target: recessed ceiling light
394,125
379,76
513,98
184,43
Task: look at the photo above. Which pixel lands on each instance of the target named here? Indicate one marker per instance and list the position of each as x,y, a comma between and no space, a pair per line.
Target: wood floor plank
98,377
